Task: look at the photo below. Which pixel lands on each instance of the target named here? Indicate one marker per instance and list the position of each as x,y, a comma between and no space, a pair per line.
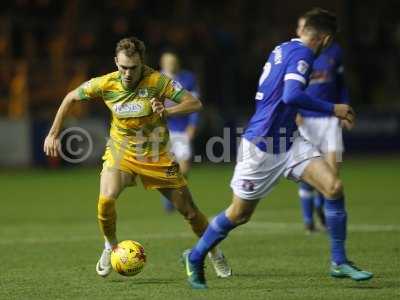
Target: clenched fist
345,112
157,106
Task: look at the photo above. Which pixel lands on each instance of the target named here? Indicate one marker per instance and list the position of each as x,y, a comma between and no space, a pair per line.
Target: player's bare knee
242,220
241,217
335,189
110,192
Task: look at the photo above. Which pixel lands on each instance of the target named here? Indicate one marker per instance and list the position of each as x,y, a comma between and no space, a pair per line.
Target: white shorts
180,145
323,132
257,172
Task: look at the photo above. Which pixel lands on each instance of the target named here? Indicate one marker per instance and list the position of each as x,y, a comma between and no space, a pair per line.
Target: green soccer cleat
194,273
348,269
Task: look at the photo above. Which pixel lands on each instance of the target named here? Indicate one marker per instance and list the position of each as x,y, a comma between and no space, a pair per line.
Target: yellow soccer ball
129,258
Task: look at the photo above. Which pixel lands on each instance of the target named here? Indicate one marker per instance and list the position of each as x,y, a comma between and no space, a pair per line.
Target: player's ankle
110,243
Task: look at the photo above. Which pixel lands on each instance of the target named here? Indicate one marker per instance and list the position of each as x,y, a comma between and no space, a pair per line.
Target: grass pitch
50,243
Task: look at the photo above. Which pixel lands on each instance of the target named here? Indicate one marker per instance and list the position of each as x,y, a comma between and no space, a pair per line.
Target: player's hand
158,107
51,146
344,112
299,120
346,124
191,132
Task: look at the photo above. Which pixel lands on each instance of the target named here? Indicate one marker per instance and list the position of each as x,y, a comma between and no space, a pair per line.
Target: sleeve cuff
178,96
81,94
294,76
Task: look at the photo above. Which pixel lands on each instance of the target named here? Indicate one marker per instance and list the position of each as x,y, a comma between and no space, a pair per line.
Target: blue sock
306,193
168,205
319,200
336,223
216,231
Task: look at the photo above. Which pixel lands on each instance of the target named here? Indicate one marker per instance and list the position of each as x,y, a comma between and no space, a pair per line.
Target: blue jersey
326,80
273,124
180,123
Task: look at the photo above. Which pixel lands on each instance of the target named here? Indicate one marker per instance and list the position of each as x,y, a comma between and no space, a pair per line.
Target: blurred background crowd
49,47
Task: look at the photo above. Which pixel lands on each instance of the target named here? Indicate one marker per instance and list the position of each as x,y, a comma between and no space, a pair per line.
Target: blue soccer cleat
195,273
349,270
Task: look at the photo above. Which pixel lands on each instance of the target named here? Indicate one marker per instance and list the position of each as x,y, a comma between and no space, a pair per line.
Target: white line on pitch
254,227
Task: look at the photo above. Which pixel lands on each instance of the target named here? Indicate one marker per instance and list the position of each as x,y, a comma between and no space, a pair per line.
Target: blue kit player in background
182,129
271,148
322,129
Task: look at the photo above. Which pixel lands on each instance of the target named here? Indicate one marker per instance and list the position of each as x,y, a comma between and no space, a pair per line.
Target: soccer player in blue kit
323,129
182,129
271,148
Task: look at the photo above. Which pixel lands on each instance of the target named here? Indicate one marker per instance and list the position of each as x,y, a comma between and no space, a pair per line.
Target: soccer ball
128,259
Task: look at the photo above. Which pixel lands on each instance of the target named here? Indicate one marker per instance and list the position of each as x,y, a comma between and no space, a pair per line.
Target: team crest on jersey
302,66
177,86
143,93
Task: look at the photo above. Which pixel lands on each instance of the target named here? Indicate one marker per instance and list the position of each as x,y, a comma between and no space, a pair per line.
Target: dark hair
131,46
320,20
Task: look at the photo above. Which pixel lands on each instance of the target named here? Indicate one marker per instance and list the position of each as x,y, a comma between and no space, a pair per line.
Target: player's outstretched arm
52,142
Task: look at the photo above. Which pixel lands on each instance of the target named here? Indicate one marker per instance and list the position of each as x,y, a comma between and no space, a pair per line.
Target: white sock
218,252
109,244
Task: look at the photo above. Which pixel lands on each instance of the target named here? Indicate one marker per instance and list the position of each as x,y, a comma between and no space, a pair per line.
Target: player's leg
307,194
332,159
320,175
112,182
184,166
318,203
180,147
255,174
183,201
239,212
328,132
